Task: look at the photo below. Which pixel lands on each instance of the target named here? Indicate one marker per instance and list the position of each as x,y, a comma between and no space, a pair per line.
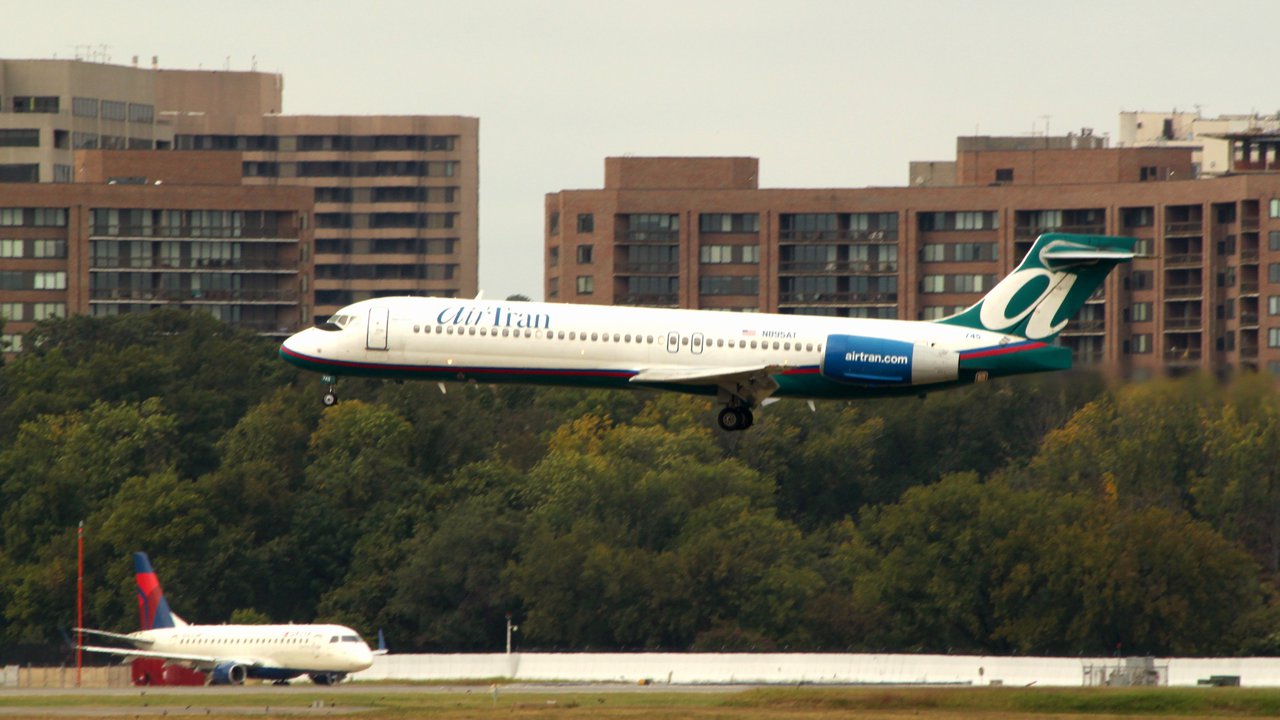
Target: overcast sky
825,93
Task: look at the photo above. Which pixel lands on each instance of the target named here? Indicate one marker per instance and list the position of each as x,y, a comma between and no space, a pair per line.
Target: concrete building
396,197
1206,136
700,233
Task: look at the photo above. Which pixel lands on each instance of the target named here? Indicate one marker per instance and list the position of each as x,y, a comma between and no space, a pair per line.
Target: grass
775,703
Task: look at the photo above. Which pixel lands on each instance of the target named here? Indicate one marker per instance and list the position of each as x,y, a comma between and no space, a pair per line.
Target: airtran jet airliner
740,358
233,653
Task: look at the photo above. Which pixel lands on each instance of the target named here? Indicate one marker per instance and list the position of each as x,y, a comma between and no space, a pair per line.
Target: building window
729,223
11,248
139,113
1273,337
586,284
716,254
969,283
586,223
553,256
933,252
934,284
1273,272
84,107
113,110
50,281
1137,217
1139,280
1004,175
585,254
10,343
20,173
49,248
750,254
11,311
1273,240
20,137
729,285
1273,305
44,311
554,223
1140,312
1140,344
35,104
1275,207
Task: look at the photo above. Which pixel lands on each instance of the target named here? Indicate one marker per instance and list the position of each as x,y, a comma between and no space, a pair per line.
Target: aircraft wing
133,640
752,383
200,662
208,660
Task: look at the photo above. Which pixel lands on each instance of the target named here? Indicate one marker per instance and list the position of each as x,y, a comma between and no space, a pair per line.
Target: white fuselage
305,648
439,338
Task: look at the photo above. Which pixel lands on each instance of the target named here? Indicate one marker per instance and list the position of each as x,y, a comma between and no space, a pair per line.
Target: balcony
1184,260
1094,326
1187,228
642,237
1249,287
812,236
1248,351
189,265
1248,319
1176,324
161,296
1031,232
1182,356
1249,256
659,268
1184,291
837,298
1249,224
649,299
847,267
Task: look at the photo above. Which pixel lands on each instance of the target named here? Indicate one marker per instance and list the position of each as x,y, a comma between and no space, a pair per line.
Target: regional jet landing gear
330,396
736,417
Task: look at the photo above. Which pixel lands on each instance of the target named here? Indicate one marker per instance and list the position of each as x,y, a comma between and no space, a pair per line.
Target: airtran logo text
1029,291
492,316
863,357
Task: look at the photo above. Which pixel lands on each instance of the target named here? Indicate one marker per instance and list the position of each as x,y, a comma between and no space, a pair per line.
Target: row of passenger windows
201,640
614,337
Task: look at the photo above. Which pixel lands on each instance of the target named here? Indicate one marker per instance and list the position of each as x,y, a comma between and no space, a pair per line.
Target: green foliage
1036,515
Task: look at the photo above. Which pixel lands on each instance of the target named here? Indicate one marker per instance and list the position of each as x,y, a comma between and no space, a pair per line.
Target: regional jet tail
232,654
740,358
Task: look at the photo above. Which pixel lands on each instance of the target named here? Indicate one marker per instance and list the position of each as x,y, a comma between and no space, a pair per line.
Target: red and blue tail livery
153,609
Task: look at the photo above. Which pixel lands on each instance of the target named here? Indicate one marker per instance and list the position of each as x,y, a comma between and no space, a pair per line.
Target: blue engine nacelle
858,360
229,673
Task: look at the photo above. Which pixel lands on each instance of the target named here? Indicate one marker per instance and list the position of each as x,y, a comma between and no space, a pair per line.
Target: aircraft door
695,344
673,342
376,339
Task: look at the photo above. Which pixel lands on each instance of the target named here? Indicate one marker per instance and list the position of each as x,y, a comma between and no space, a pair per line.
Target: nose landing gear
331,395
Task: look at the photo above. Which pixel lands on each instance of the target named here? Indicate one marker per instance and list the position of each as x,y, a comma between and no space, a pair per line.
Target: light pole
510,629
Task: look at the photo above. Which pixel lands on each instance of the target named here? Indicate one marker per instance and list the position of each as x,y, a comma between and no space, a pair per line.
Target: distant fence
17,676
823,668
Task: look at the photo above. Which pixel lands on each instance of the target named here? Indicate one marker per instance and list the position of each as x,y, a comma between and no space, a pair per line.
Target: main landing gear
736,417
331,395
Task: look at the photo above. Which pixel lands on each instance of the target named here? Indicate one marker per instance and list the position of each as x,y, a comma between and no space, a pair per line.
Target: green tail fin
1046,290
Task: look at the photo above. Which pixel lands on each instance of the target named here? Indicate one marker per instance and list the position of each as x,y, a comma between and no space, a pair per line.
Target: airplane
743,359
232,654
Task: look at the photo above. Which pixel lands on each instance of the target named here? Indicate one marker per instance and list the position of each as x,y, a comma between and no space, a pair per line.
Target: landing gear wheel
732,419
330,399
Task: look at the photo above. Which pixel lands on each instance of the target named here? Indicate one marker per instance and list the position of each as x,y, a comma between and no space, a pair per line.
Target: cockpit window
350,638
336,322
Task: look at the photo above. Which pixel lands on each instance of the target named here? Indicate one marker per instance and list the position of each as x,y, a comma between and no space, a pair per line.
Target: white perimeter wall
712,668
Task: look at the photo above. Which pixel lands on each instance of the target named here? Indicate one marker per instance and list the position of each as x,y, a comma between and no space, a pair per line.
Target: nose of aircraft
293,349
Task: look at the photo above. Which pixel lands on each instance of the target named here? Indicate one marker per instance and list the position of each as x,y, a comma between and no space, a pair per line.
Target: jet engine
876,362
229,673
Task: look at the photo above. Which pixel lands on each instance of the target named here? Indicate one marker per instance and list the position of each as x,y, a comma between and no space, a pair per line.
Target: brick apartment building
700,233
395,198
136,233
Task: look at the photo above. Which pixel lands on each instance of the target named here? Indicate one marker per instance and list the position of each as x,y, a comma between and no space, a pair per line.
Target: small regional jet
740,358
233,653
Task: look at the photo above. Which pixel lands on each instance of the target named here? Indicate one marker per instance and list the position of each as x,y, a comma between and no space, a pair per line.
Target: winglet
382,644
